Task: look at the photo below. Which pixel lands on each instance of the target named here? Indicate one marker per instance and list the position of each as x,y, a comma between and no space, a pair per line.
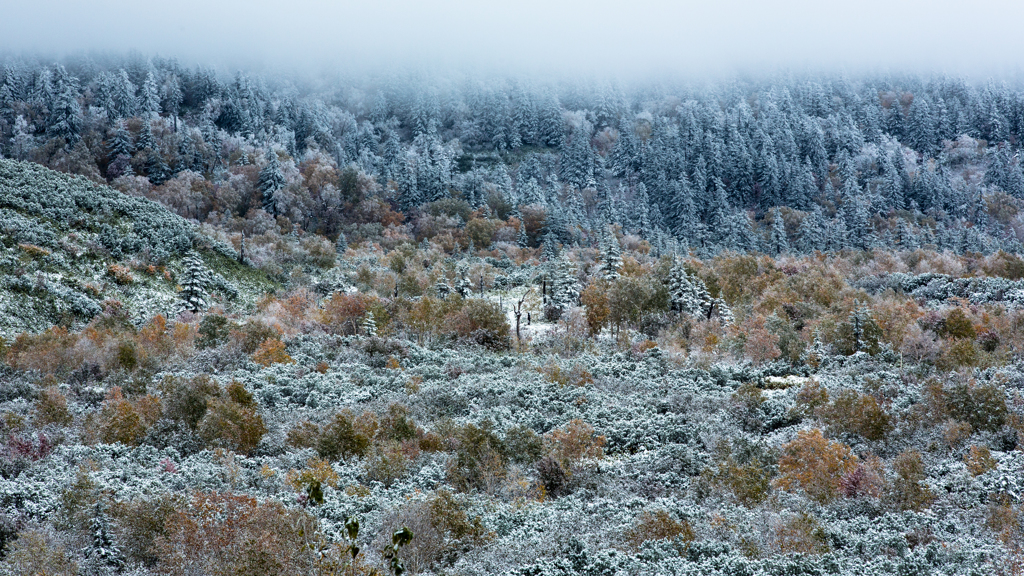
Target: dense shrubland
738,413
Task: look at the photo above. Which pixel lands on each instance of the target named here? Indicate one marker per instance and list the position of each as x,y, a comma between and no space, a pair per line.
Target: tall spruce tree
195,283
271,179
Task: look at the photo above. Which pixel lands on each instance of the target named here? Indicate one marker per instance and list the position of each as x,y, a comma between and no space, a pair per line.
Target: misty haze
531,289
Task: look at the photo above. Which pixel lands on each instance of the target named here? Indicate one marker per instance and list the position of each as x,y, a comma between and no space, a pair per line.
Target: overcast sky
522,36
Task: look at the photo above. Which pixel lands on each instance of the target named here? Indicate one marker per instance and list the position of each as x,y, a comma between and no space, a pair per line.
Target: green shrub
186,400
524,445
345,436
909,493
214,330
231,421
983,406
658,525
958,326
52,408
854,413
396,424
480,458
252,335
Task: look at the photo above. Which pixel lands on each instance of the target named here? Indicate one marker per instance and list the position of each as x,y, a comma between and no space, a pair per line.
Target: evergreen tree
905,238
778,243
549,252
642,210
611,254
103,556
579,159
813,233
565,287
195,282
157,169
522,240
123,96
172,97
65,119
688,296
271,179
341,244
895,123
146,141
718,215
463,286
149,97
624,156
120,143
549,129
369,325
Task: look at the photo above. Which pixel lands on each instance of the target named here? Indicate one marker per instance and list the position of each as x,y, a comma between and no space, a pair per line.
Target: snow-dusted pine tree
271,180
194,283
611,255
102,555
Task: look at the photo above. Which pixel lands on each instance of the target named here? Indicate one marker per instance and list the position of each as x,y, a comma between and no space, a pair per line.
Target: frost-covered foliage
125,225
69,245
824,429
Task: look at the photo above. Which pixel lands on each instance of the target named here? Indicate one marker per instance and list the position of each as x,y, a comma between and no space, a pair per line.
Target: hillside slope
68,244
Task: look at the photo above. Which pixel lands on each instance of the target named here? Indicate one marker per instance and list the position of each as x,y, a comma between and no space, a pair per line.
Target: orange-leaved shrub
814,464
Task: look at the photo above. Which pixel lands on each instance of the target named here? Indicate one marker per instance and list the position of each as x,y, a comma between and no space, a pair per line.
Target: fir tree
149,97
812,232
777,241
65,119
522,239
156,168
195,282
565,287
550,249
369,325
463,286
685,295
123,96
102,554
146,141
271,179
905,238
611,255
120,143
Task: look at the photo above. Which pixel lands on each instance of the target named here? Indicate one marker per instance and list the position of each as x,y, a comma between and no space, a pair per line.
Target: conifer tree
146,141
777,241
149,97
522,239
195,282
905,237
102,554
123,96
65,119
686,296
120,143
156,168
812,232
369,325
611,255
550,249
565,288
271,179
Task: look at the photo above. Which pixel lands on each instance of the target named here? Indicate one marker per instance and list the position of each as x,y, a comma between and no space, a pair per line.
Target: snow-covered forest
493,325
848,162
